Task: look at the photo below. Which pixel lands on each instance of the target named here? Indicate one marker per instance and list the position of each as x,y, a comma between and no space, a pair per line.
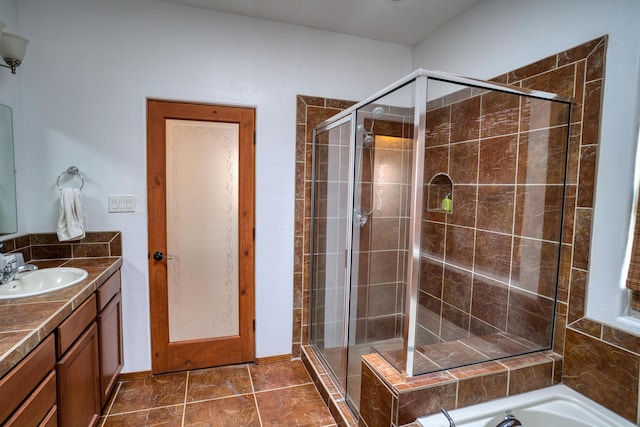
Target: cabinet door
111,358
51,419
78,382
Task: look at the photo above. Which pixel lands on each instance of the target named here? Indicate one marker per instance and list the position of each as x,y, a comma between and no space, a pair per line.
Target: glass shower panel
329,243
495,165
383,143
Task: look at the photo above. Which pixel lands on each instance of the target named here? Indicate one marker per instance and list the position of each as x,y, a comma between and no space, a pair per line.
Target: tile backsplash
42,246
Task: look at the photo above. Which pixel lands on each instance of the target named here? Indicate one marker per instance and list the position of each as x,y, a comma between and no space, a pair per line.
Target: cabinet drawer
108,290
70,329
38,405
22,379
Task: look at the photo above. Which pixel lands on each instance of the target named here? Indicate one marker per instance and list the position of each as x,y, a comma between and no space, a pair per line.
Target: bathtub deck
558,405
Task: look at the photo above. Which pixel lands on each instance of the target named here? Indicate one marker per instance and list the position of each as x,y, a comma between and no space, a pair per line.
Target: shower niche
436,224
440,194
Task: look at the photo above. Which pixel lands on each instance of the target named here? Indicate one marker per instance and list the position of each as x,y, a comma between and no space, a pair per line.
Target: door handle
159,256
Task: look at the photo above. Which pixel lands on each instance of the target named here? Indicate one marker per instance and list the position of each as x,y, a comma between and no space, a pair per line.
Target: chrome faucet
7,270
509,421
446,414
8,274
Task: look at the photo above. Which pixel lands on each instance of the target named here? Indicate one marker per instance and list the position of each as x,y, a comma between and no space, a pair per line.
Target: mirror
8,207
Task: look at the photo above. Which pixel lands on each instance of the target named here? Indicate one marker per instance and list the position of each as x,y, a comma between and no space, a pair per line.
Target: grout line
220,398
255,398
184,403
285,387
113,398
146,409
114,395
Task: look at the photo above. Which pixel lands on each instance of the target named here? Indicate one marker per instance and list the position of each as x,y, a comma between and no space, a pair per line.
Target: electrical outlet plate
122,203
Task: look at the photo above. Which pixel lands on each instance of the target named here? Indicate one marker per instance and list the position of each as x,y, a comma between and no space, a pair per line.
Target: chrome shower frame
420,97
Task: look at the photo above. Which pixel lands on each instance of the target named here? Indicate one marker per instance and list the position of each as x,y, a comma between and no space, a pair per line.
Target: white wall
9,84
91,64
496,36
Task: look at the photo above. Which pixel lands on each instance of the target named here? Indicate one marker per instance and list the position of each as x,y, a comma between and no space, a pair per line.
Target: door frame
195,354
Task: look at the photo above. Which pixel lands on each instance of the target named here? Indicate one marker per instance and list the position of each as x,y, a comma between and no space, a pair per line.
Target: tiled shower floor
457,353
276,394
434,357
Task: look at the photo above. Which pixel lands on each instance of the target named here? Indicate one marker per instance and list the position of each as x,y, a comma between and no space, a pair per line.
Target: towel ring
71,170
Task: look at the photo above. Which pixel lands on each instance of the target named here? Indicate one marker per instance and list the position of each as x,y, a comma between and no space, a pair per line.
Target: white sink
38,282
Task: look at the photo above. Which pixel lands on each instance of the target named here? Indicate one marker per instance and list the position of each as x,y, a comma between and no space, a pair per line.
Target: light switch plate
122,203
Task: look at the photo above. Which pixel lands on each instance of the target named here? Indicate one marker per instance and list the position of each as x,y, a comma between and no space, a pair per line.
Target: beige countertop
25,322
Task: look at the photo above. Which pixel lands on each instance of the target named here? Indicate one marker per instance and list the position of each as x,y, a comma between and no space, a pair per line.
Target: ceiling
405,22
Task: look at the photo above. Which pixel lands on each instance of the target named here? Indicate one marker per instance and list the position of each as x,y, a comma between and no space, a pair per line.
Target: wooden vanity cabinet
67,379
28,391
110,334
90,355
77,367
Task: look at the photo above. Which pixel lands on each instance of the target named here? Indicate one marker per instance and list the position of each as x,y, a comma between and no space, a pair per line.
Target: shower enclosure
437,212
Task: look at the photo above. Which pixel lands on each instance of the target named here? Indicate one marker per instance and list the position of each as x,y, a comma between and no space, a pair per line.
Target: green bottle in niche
447,204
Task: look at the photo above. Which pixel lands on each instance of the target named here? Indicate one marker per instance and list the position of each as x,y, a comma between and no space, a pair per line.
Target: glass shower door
383,156
329,240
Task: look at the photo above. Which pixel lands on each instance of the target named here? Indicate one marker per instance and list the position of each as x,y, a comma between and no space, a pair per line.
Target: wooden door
201,210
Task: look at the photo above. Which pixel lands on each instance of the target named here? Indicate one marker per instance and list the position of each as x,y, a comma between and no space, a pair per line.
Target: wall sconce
12,49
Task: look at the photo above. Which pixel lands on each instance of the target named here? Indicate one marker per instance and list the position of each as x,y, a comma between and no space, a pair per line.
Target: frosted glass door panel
202,229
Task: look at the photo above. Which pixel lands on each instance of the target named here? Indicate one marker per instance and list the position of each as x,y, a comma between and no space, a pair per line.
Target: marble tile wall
485,143
593,353
310,112
41,246
382,239
389,398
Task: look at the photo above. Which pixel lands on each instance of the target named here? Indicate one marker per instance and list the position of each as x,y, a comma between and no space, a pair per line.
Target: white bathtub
549,407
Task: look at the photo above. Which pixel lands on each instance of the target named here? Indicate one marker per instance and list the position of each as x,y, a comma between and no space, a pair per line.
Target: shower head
368,140
377,112
369,137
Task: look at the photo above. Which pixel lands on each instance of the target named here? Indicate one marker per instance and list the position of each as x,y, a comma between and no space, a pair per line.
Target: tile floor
276,394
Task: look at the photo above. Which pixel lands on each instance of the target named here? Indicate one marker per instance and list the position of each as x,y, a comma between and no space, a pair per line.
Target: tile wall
489,265
600,362
42,246
310,111
382,239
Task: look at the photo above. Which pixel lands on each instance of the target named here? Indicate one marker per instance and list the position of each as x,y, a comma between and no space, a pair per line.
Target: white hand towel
71,221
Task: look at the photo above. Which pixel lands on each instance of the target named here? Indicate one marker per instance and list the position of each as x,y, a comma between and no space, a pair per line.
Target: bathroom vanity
61,352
